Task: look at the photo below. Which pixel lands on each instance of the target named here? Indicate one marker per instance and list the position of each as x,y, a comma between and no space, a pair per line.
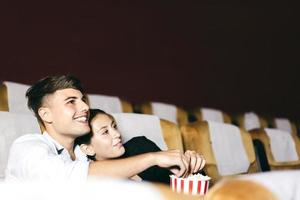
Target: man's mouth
81,119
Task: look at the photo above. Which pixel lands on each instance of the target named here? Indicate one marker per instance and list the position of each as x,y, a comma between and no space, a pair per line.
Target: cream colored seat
250,121
12,126
209,114
165,111
12,97
261,135
109,104
197,136
275,185
284,124
164,133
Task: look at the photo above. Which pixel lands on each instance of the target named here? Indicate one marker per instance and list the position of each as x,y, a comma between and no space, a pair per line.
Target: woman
104,142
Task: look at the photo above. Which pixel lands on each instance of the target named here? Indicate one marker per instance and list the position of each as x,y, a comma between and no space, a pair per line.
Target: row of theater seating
228,149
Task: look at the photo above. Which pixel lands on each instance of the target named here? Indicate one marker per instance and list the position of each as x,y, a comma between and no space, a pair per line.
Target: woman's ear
45,114
87,149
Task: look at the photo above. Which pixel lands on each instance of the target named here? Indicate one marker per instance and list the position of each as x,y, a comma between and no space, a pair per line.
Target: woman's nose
116,134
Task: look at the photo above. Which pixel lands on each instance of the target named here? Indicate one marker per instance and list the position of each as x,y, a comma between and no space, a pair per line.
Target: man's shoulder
29,138
30,141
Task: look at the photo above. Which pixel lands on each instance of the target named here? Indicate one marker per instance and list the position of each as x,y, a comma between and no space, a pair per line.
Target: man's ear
87,149
45,114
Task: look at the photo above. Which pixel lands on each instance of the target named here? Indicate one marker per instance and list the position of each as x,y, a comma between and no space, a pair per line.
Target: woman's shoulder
138,145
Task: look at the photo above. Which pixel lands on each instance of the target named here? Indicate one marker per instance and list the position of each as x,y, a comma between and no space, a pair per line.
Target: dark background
231,56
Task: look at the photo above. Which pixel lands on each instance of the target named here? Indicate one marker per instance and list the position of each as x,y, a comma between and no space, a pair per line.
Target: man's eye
71,102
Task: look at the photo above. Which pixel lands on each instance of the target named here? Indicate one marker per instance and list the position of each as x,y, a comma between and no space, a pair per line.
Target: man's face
67,113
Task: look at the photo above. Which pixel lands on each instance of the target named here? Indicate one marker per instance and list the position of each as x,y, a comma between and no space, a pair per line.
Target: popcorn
195,184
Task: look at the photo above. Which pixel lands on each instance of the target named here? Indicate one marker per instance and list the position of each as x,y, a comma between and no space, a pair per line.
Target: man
60,106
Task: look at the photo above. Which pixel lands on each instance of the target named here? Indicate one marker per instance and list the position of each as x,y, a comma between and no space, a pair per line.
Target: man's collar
59,148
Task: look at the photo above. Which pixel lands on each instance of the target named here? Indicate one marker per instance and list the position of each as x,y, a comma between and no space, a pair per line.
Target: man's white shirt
40,157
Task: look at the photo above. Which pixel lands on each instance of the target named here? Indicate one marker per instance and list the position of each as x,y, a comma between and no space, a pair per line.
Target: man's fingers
199,161
202,163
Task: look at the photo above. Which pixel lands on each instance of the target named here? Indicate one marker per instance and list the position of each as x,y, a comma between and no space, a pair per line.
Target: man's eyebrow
72,97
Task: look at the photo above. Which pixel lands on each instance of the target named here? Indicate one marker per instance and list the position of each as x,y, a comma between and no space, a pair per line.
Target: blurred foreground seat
279,185
100,188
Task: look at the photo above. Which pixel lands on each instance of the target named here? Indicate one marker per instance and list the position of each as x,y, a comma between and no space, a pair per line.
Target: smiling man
60,106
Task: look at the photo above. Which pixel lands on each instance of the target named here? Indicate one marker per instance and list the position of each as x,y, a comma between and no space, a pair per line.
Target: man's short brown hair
48,85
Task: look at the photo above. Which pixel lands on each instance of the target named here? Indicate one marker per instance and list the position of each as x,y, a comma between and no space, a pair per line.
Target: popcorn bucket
195,184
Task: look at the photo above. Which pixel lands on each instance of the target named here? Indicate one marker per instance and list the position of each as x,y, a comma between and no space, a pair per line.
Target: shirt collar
59,148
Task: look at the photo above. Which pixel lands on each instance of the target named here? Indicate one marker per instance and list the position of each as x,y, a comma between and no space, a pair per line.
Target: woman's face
106,141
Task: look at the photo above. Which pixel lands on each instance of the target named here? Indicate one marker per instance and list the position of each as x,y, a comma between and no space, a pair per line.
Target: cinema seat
284,124
110,104
164,133
197,136
110,189
209,114
12,97
250,121
274,185
12,126
261,135
164,111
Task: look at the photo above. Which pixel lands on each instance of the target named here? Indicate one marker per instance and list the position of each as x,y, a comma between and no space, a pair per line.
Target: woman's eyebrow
103,127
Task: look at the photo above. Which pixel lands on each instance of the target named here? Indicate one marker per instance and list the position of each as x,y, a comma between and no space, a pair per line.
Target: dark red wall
231,56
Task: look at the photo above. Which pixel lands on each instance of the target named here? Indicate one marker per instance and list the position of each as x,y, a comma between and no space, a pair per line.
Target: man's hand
196,161
180,164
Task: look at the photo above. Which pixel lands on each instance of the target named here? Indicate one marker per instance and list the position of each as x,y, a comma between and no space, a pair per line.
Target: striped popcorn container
195,184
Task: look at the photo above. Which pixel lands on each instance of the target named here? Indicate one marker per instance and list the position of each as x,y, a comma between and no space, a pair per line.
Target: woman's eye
115,126
105,132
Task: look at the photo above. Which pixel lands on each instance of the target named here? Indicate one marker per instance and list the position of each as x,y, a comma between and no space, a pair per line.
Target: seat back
196,136
12,126
165,111
284,124
109,104
12,97
165,134
208,114
250,121
261,135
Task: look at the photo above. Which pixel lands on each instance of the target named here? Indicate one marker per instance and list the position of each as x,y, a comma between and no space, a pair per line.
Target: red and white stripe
188,186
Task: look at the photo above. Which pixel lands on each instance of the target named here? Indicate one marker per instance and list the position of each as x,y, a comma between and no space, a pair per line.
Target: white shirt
40,157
